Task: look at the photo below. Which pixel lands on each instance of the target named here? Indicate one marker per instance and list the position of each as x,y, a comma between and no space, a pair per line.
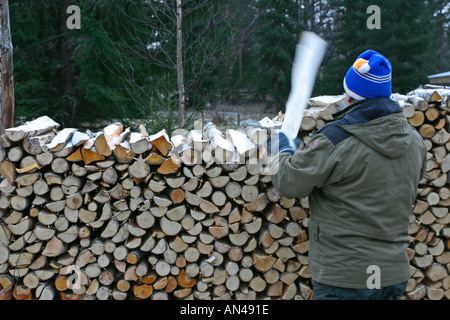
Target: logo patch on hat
362,65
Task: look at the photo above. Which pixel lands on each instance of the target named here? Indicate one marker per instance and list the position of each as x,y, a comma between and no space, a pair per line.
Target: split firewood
185,151
162,142
78,139
139,169
154,159
101,145
256,135
76,156
32,128
170,228
8,171
197,140
138,143
244,146
89,155
169,166
60,140
223,149
54,248
123,152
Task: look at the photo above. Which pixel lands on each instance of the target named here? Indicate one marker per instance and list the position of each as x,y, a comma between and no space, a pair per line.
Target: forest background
121,64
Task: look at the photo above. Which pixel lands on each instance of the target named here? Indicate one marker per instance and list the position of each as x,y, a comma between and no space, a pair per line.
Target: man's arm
299,173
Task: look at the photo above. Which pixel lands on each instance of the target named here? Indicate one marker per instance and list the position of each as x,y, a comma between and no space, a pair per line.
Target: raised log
138,143
223,149
60,140
31,128
162,142
123,153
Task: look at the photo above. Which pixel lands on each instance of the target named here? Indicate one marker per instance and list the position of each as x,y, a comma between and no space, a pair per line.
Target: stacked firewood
118,214
122,215
428,110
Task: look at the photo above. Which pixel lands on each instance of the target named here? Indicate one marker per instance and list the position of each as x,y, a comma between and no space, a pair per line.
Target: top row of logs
41,139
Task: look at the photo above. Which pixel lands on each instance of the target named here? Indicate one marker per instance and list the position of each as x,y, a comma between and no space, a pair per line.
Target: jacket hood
379,124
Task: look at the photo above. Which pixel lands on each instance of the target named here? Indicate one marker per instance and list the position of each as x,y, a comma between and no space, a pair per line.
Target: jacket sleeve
423,149
298,174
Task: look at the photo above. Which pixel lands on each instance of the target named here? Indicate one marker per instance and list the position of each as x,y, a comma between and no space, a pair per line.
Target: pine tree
34,27
442,13
234,73
74,75
102,67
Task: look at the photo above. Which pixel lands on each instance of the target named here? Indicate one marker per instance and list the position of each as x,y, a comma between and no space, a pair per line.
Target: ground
224,116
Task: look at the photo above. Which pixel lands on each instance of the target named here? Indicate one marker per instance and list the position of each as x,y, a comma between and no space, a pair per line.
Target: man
361,174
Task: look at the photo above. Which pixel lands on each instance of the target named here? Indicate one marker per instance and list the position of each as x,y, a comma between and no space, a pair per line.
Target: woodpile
122,215
428,110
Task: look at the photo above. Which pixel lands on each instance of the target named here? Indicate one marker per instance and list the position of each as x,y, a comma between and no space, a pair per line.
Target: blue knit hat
369,77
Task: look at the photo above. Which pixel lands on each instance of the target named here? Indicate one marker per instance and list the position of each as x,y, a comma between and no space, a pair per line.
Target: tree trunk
441,36
180,76
67,71
7,80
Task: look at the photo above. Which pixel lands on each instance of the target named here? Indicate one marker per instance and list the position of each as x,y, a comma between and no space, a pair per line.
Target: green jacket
361,174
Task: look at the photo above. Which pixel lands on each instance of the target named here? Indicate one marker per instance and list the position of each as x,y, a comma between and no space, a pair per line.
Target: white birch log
31,128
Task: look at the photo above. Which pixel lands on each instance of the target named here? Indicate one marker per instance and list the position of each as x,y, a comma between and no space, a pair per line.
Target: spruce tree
278,28
34,27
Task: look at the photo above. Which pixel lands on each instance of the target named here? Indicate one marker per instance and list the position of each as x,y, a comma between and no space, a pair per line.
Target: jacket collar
367,110
341,113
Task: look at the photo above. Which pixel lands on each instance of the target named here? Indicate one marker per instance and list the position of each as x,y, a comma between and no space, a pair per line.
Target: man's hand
284,144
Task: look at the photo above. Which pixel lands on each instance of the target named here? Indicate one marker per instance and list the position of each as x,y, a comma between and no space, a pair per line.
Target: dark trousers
326,292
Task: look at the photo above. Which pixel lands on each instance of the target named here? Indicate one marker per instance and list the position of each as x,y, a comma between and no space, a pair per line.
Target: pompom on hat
370,76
